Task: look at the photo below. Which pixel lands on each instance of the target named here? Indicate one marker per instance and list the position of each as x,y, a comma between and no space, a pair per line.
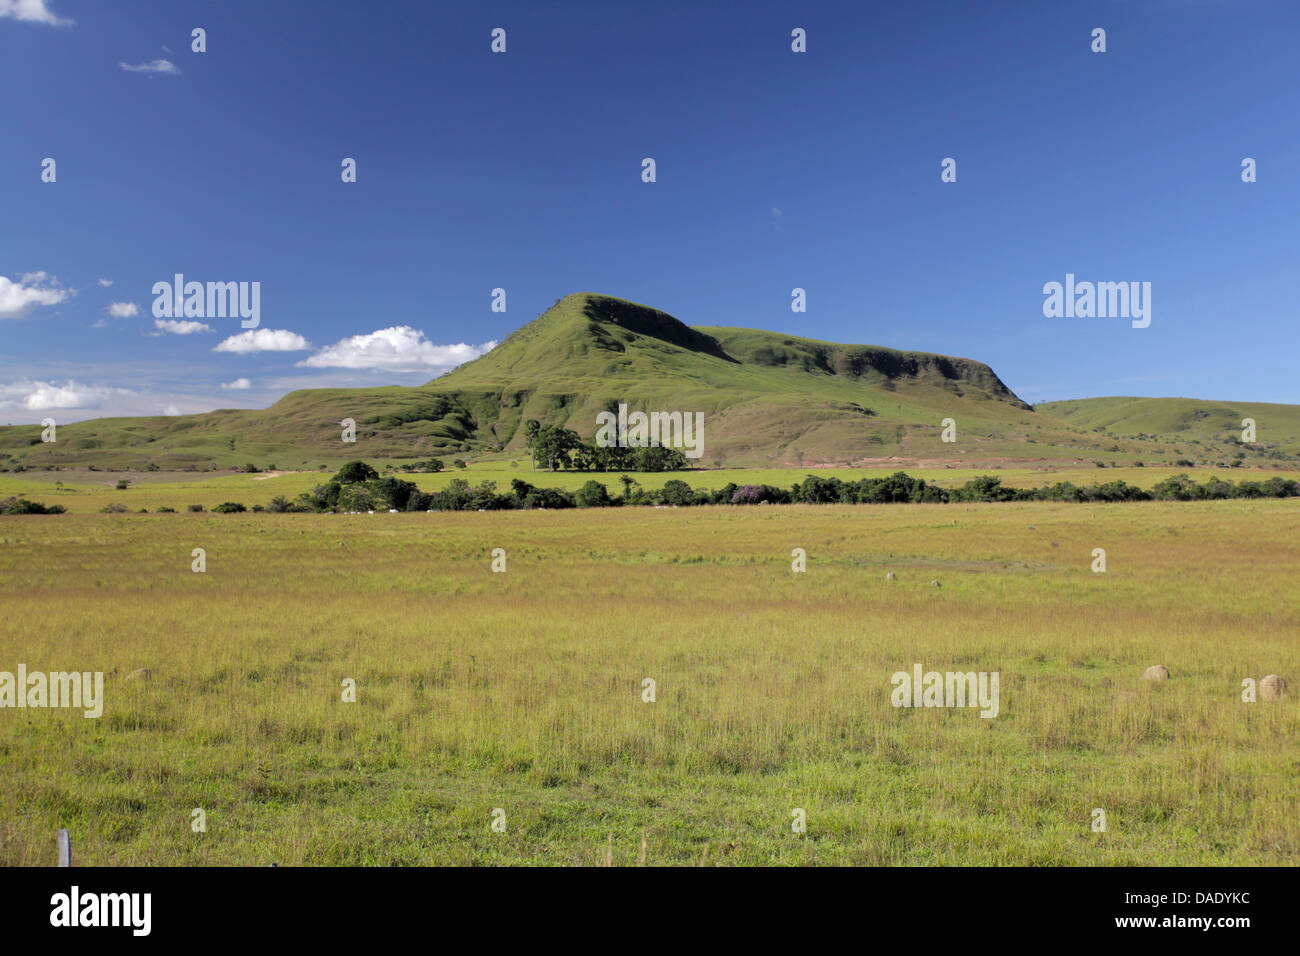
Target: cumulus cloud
32,289
153,66
32,11
28,400
239,384
40,396
181,326
264,340
106,282
123,310
397,349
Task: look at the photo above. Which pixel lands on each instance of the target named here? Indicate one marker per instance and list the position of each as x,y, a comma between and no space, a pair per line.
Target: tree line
358,487
555,447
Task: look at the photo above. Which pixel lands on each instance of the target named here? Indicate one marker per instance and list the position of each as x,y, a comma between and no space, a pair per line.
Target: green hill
768,399
1189,421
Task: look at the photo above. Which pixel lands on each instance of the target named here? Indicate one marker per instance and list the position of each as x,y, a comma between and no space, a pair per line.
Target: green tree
356,497
678,492
355,471
531,429
592,495
554,444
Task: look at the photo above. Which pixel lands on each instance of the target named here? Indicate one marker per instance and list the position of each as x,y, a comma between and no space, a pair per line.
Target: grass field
85,491
523,690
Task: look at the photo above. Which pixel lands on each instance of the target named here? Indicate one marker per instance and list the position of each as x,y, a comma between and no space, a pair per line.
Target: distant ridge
768,399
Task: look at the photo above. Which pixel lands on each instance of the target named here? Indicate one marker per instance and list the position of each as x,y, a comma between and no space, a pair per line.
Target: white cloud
397,349
40,396
31,289
28,400
180,326
32,11
264,340
154,66
123,310
106,282
238,384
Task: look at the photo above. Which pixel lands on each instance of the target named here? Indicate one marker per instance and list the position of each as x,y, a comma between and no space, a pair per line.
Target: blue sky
522,170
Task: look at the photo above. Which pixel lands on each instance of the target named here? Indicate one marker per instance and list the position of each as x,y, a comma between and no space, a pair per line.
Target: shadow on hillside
655,324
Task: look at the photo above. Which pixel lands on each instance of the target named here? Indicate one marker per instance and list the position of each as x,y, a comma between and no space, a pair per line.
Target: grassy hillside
1188,420
768,399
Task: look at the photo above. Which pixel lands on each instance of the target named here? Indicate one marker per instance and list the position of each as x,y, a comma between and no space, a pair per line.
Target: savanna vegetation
523,690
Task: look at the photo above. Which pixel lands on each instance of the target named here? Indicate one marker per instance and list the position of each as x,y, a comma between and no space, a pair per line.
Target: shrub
820,491
356,497
1177,488
393,492
21,506
164,510
592,495
229,507
113,509
658,458
678,492
320,498
983,488
123,484
458,463
355,471
525,495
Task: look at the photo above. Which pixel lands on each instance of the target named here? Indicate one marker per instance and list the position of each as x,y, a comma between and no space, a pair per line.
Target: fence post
65,848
